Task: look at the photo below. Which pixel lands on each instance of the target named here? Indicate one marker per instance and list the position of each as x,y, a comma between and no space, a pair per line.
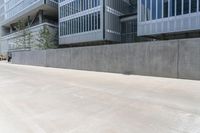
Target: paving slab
50,100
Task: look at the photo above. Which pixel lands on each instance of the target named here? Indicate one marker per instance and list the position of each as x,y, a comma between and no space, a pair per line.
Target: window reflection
153,9
159,8
142,10
186,7
172,7
193,5
148,10
178,7
165,8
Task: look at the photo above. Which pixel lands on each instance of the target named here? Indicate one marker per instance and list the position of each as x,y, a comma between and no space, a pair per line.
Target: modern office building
35,14
169,19
127,20
93,21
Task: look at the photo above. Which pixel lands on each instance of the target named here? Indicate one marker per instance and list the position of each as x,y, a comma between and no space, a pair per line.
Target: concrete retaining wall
175,59
36,58
189,59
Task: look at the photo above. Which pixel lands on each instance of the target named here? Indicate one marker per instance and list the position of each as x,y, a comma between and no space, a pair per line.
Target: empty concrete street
49,100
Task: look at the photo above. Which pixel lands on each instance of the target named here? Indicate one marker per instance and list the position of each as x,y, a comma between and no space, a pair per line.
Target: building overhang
31,11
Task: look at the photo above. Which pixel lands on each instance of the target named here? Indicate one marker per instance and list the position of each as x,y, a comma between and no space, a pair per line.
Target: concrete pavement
49,100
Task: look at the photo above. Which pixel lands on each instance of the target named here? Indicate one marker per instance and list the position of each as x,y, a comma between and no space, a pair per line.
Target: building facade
89,21
92,22
34,14
169,18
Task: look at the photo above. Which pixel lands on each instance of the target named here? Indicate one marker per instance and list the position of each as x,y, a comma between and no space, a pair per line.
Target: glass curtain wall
89,22
157,9
13,7
86,22
129,31
77,6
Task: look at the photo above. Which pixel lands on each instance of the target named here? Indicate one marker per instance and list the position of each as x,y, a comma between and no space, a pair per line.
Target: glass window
72,7
172,7
99,2
79,7
89,3
199,4
193,5
86,4
61,27
67,27
78,24
178,7
165,8
159,8
148,9
90,22
82,5
73,26
70,27
85,23
99,20
96,21
142,10
93,21
81,24
76,7
186,7
153,9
